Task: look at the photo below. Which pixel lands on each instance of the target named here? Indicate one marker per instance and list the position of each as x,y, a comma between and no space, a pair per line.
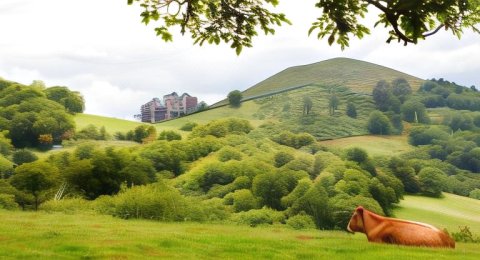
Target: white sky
100,48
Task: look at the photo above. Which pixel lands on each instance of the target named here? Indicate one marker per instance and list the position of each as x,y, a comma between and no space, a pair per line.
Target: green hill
278,100
359,76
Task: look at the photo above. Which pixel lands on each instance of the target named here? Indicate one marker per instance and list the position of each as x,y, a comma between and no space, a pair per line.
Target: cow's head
356,221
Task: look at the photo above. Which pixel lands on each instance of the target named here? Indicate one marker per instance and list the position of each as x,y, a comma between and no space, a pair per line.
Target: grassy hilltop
359,76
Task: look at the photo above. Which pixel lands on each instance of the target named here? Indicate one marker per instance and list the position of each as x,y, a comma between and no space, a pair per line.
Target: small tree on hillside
401,89
351,110
379,124
35,178
415,112
307,105
381,95
235,98
333,103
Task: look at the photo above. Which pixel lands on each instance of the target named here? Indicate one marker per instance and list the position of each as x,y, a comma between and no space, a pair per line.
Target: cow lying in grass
396,231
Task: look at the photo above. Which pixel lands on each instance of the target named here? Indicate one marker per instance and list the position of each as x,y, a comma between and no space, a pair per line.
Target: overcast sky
100,48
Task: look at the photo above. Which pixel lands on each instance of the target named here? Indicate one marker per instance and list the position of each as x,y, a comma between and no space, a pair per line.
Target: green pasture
58,236
111,125
43,235
374,145
451,211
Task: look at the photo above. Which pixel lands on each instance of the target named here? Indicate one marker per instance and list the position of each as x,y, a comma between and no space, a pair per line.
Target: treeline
37,116
441,93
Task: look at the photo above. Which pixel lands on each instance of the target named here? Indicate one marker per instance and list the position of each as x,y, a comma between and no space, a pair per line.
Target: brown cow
396,231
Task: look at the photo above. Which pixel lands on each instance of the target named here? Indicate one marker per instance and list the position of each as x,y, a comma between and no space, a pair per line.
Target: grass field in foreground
43,235
374,145
449,212
55,235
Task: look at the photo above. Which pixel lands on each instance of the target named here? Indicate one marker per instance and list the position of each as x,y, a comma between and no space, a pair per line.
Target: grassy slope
111,125
43,235
358,75
374,145
449,212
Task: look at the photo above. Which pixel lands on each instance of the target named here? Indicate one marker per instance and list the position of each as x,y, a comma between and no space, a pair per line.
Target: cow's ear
359,210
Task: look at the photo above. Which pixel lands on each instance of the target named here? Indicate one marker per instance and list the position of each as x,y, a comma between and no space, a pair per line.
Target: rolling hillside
359,76
278,100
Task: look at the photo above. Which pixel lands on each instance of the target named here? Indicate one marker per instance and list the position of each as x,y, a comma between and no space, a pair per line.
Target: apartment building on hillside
172,106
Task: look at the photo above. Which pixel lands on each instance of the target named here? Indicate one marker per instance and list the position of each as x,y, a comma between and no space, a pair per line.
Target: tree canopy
237,22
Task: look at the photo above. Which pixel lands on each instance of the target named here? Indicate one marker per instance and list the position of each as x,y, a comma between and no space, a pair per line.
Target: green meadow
84,235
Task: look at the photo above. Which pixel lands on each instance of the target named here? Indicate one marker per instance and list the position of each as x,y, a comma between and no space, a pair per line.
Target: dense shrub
228,153
426,135
294,140
475,194
301,221
7,201
68,205
156,201
188,126
23,156
281,158
222,127
459,121
257,217
169,135
465,236
243,200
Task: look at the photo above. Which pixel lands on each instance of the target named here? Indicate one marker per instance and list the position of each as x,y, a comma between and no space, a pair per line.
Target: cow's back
415,234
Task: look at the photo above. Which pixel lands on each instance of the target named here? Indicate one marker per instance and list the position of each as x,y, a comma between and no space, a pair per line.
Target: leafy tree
307,105
333,102
316,204
235,98
138,172
71,100
236,23
432,181
351,110
167,156
356,154
379,124
459,121
415,112
270,187
381,95
428,86
23,156
401,89
35,178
